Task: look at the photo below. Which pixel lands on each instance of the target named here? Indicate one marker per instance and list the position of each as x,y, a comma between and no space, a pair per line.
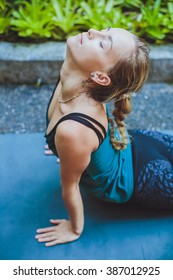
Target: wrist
77,230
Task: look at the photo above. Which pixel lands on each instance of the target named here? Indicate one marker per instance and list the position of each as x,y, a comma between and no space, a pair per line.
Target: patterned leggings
153,168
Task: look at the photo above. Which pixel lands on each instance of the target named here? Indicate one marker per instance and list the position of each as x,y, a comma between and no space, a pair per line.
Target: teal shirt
109,175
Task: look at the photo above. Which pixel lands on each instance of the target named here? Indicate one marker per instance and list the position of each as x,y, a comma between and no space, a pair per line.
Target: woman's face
99,50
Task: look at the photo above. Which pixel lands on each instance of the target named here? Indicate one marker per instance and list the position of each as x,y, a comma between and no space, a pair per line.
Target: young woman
94,147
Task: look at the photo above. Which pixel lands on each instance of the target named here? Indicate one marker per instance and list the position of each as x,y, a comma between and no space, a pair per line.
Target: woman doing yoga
95,149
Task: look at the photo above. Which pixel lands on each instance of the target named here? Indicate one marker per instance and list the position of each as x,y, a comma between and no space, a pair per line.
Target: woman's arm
75,145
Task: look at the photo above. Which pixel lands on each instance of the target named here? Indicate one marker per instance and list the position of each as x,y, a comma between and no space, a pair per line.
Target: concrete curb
40,63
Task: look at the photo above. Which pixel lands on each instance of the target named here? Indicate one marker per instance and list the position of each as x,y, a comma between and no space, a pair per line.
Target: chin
68,40
72,44
71,39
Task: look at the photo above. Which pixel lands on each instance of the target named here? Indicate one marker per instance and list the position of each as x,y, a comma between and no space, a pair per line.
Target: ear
100,78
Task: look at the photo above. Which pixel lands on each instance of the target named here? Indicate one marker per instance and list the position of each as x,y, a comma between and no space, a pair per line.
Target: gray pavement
23,108
32,63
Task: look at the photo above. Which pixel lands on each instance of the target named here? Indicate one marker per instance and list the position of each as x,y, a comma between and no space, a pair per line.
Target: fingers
44,235
45,239
56,221
49,239
55,242
60,233
50,229
42,230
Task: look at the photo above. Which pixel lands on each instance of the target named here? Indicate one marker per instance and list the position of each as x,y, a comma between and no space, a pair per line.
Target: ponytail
122,108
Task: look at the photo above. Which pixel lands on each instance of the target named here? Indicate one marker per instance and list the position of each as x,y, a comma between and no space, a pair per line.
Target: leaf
2,4
57,19
109,6
87,9
170,10
156,8
57,9
156,33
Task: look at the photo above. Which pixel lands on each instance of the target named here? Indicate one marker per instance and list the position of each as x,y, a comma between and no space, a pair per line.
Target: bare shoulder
77,135
74,146
68,129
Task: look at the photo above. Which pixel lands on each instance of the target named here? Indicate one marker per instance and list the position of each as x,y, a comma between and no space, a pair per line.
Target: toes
48,152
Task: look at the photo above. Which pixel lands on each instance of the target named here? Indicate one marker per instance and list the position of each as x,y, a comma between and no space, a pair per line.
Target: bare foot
48,152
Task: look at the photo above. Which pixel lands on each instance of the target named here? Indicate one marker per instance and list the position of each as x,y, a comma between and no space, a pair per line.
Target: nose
92,33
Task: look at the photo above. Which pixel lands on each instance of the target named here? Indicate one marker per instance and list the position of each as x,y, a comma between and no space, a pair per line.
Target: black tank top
78,117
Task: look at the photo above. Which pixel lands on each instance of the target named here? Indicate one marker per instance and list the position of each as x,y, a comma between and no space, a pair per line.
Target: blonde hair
127,76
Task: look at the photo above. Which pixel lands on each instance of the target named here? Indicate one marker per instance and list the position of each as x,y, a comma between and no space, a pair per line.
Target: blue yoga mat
30,194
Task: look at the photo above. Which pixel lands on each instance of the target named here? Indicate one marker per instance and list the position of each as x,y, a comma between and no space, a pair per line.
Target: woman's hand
62,232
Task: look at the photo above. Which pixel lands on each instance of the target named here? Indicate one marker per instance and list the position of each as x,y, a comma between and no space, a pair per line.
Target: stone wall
40,63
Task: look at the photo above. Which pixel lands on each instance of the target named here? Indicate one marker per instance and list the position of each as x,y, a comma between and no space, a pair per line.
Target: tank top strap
83,116
85,120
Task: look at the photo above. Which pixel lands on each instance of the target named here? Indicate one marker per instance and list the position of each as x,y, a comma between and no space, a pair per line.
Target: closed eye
109,37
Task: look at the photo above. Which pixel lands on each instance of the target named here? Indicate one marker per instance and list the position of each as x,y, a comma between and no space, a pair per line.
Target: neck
71,81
